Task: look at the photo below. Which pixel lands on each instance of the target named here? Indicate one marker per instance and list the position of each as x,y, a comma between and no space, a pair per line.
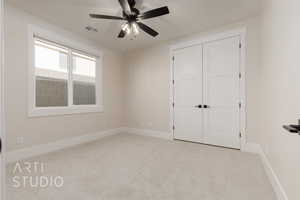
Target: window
51,75
63,80
84,79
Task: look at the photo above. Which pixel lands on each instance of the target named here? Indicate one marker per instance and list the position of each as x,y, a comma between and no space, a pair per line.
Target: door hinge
173,105
240,75
240,105
240,45
240,135
173,82
173,127
173,58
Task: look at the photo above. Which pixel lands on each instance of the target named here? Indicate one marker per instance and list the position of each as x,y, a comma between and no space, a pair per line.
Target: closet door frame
241,32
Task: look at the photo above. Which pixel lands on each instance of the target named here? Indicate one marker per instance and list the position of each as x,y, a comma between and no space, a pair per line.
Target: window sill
54,111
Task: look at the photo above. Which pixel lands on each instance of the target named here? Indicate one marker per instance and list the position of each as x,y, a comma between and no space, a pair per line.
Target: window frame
72,45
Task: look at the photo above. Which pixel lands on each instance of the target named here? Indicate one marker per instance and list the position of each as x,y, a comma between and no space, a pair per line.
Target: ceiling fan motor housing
131,3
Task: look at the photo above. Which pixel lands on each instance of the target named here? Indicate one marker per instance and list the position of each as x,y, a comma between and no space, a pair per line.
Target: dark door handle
198,106
205,106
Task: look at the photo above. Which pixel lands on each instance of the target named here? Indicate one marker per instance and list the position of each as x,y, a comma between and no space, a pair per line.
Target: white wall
2,124
136,93
49,129
148,82
147,89
280,86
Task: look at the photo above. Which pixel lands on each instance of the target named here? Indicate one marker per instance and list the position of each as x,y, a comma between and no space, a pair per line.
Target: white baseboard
278,189
37,150
150,133
251,148
273,178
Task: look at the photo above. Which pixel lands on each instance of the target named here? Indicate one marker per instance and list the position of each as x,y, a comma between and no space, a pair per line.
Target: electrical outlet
20,140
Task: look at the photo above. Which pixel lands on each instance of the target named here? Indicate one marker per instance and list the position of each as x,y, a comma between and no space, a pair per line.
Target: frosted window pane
51,75
84,73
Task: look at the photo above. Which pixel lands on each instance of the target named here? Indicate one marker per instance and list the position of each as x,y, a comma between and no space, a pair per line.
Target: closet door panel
188,119
221,92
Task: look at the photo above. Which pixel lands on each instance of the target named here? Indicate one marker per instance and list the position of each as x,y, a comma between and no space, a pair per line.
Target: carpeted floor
130,167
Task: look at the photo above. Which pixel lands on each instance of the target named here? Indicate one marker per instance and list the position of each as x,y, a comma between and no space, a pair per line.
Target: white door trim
241,32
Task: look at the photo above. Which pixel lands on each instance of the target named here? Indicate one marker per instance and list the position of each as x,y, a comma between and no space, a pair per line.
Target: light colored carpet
130,167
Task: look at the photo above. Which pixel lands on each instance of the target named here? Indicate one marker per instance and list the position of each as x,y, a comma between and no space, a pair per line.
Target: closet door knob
205,106
198,106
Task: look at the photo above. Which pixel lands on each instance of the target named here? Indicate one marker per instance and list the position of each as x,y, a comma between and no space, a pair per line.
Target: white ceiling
186,17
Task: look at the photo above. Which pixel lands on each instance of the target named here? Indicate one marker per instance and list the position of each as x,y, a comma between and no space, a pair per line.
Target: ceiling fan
133,18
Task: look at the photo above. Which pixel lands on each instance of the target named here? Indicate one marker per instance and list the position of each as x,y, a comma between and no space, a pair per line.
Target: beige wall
147,89
280,86
49,129
148,82
136,91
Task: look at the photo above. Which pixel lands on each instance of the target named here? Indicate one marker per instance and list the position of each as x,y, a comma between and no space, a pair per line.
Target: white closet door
188,118
221,92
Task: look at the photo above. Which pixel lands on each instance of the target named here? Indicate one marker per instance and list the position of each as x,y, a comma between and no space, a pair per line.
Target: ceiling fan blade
147,29
122,34
155,13
106,17
125,6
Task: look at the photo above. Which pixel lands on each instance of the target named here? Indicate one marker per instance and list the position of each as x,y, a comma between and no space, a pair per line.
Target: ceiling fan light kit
129,28
126,27
135,28
133,18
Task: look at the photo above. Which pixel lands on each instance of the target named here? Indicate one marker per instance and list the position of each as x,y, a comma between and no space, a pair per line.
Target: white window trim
34,111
